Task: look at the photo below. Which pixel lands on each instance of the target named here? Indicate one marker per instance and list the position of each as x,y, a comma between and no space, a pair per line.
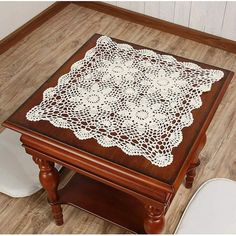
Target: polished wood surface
13,66
168,175
49,179
139,18
31,25
154,186
102,200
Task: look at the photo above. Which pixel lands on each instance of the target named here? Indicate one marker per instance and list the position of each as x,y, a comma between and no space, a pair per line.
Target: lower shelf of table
104,201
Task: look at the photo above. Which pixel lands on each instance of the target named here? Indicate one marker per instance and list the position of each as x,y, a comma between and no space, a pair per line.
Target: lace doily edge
189,65
89,53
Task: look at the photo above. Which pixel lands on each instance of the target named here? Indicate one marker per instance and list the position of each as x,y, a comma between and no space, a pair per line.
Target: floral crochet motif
137,100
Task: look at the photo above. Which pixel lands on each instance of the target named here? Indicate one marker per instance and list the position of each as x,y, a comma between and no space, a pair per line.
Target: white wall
215,17
14,14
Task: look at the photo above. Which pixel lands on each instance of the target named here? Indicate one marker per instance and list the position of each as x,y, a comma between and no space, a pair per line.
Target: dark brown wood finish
31,25
151,185
49,179
57,134
191,171
185,32
101,201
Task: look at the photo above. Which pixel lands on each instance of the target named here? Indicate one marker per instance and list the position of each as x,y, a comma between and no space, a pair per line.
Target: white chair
212,209
18,172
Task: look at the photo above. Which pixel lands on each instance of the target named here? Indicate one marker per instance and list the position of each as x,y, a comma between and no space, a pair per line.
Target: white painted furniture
18,172
212,209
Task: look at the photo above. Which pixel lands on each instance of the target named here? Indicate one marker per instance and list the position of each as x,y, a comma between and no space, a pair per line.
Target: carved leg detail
49,179
154,219
191,173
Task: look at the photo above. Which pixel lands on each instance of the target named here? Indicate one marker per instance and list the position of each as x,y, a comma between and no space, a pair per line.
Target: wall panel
15,14
167,10
152,9
213,17
229,22
182,13
133,6
198,15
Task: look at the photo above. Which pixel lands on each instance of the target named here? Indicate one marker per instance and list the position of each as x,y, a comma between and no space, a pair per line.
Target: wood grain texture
49,47
31,25
152,186
168,175
166,26
15,14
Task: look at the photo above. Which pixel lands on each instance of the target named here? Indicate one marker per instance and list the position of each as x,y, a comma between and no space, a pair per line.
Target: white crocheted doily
137,100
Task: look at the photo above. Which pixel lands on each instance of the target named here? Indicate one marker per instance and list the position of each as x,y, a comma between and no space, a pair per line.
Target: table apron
147,189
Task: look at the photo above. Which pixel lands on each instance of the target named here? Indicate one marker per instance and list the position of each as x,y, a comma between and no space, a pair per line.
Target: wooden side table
128,191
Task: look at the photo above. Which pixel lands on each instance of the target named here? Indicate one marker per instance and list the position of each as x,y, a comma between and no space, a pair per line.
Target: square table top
202,117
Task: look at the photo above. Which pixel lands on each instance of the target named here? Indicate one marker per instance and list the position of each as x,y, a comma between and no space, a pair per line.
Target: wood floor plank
30,62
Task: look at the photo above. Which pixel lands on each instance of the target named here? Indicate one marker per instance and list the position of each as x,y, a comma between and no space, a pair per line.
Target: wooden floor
28,64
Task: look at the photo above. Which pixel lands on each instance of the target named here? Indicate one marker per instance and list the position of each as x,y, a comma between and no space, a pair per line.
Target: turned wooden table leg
191,172
154,219
49,178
